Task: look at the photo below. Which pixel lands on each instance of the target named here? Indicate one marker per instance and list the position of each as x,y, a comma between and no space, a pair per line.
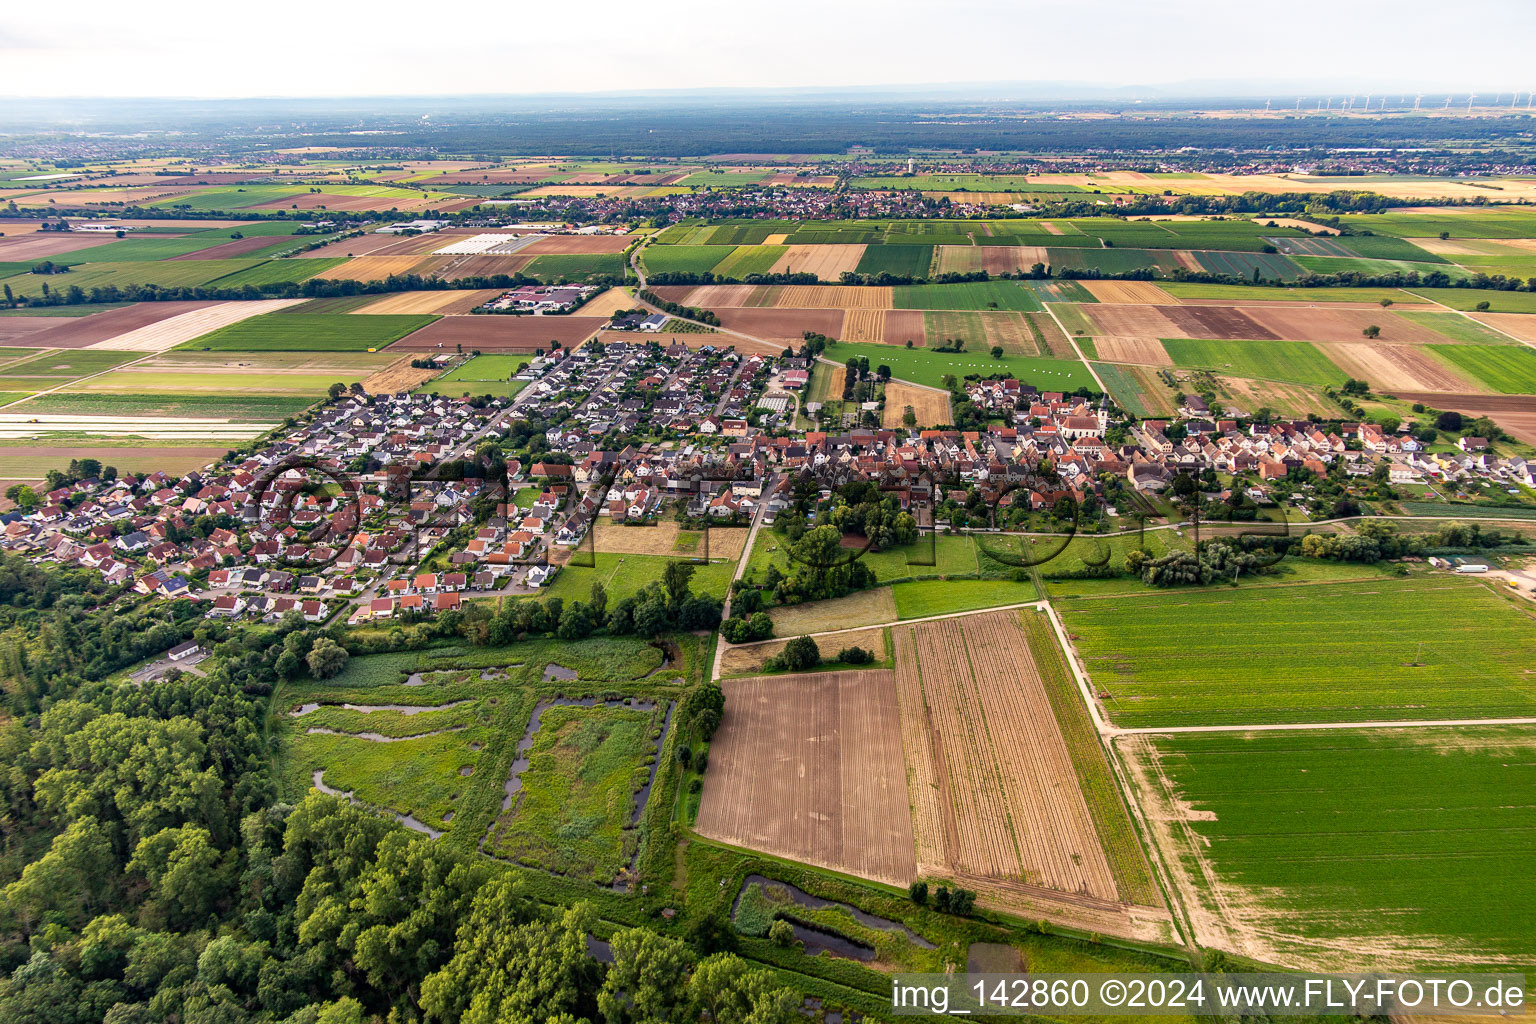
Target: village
383,506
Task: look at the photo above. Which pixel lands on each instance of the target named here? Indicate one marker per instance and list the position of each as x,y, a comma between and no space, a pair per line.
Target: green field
978,295
150,248
575,267
1519,223
278,272
899,260
1298,361
1242,265
167,274
745,259
253,408
1507,369
1360,265
314,332
1424,648
624,575
1136,389
940,555
67,364
683,259
1387,247
1467,299
939,597
574,809
482,375
1458,328
1108,261
1241,293
1464,511
1341,845
925,366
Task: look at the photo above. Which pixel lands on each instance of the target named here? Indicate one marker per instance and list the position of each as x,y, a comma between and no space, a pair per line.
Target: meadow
235,407
575,267
572,815
623,576
1468,299
310,332
1349,846
1298,361
1421,648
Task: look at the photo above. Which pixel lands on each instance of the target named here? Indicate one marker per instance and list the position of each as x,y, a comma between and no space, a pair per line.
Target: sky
217,50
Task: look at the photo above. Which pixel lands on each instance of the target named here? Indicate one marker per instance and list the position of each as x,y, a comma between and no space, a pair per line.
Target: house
1473,444
181,652
540,575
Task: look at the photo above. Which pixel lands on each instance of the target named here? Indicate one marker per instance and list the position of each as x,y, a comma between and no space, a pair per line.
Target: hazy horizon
109,51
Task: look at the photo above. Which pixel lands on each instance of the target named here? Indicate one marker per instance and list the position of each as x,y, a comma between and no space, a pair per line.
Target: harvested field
397,377
802,296
810,767
749,659
980,331
82,332
1335,324
864,325
931,407
662,539
42,245
1130,292
888,326
1148,351
167,334
578,244
1397,368
1132,321
1217,322
994,259
608,303
501,333
709,296
782,324
34,461
827,262
442,303
1515,413
1516,325
995,796
371,268
861,608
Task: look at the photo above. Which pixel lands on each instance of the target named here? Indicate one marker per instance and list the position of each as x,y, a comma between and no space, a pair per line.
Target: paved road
741,567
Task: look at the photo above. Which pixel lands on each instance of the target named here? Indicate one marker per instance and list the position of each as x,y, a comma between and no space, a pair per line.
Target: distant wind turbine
1470,98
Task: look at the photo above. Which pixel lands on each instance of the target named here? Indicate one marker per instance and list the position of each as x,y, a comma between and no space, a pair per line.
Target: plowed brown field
1329,324
810,767
40,245
1148,351
1131,321
579,244
1217,322
782,324
500,333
